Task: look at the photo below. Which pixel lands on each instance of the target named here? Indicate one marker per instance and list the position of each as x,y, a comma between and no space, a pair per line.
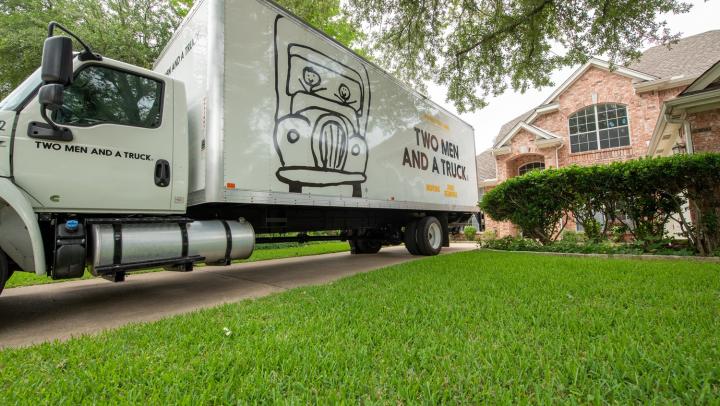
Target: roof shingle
486,165
690,56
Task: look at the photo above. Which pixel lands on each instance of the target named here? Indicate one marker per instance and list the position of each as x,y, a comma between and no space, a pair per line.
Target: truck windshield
18,96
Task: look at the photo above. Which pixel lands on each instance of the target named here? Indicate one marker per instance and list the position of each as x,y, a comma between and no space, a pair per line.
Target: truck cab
114,141
123,147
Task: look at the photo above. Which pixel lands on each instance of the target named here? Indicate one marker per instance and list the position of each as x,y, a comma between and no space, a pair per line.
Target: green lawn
260,254
473,327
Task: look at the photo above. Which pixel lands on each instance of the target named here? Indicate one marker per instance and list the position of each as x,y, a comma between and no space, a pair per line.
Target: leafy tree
480,47
133,31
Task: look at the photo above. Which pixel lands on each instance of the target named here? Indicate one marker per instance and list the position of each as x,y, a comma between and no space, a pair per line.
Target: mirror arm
43,114
87,55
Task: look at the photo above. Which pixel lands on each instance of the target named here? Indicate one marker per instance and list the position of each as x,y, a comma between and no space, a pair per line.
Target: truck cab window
102,95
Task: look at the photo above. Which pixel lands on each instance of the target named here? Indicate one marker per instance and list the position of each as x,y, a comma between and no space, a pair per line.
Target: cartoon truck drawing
321,118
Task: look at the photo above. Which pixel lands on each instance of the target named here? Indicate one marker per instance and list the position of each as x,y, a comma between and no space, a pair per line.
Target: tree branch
505,29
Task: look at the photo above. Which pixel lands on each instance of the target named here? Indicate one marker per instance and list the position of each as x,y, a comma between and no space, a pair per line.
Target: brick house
601,115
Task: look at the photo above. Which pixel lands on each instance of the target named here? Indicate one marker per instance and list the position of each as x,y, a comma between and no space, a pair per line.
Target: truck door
121,151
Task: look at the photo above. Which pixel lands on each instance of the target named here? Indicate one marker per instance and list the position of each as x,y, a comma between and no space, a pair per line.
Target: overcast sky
487,122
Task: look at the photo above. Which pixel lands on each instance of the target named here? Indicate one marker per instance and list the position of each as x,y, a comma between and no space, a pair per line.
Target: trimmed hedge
639,197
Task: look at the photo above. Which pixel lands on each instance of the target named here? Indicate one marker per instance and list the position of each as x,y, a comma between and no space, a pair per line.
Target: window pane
624,136
103,95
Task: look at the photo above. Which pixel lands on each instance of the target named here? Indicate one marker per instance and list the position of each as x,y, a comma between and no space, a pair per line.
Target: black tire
363,246
4,270
369,246
410,238
429,236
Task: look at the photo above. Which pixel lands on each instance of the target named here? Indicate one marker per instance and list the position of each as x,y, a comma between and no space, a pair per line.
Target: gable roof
690,56
523,125
486,165
598,63
505,129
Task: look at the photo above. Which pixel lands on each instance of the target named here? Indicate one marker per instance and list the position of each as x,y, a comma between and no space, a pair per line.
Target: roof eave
523,125
665,83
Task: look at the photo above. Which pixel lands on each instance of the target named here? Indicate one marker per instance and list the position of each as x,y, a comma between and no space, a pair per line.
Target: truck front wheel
4,270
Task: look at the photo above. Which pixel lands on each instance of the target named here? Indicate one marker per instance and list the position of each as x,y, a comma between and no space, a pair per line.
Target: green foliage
512,244
581,246
328,16
531,202
617,232
639,197
132,31
467,328
470,232
488,235
573,237
480,48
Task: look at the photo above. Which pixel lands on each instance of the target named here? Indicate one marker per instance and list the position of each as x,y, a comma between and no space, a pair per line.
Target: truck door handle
162,173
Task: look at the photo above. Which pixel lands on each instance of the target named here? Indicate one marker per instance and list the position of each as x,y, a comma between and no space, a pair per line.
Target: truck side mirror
57,60
51,96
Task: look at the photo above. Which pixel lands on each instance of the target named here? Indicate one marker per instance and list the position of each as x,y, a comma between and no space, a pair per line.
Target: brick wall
705,128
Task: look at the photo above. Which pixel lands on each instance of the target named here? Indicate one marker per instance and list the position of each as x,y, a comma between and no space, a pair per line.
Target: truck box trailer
251,123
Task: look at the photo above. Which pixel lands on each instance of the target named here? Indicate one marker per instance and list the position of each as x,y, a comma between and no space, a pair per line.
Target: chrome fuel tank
137,243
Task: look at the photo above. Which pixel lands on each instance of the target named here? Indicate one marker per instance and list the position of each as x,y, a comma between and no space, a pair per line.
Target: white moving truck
252,123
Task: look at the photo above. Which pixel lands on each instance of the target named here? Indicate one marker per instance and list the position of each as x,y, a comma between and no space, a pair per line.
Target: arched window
601,125
530,167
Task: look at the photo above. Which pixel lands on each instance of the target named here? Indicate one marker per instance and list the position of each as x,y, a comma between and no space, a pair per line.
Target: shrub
470,232
573,237
512,244
530,201
488,235
639,196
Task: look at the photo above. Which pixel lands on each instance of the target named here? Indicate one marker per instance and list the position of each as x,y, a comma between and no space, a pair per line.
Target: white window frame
597,128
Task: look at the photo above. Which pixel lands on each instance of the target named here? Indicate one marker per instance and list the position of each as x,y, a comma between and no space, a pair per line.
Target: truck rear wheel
410,238
4,270
429,236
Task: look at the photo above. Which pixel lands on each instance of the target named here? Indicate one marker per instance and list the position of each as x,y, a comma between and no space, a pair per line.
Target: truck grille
333,145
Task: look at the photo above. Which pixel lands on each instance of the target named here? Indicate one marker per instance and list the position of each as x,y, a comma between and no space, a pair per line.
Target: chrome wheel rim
434,236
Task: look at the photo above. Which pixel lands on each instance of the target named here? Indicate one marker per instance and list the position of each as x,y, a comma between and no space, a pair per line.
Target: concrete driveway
35,314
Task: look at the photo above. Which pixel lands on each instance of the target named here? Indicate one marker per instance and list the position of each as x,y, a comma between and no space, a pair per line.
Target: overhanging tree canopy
133,31
480,47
